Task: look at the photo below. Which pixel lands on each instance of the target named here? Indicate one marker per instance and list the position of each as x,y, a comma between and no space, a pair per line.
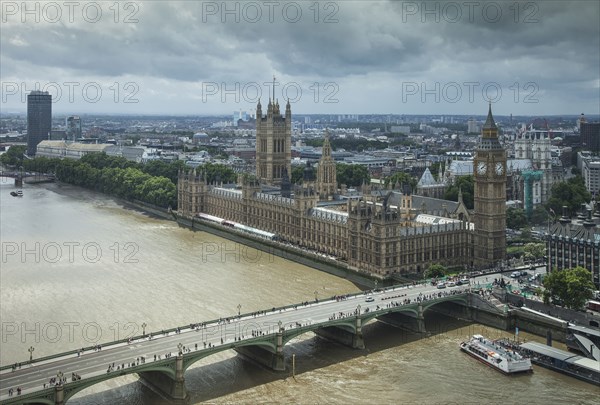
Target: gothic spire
489,122
326,151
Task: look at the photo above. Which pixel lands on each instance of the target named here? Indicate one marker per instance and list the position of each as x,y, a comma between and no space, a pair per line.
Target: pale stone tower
536,145
489,197
273,143
326,172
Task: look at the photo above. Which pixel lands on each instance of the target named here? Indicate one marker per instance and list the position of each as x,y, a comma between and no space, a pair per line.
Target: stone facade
383,233
326,175
489,168
534,145
570,244
273,143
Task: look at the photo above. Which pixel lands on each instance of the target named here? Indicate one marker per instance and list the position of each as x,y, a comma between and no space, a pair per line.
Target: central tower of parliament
383,232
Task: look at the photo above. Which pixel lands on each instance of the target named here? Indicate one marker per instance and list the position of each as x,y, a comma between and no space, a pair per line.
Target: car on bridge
370,299
441,285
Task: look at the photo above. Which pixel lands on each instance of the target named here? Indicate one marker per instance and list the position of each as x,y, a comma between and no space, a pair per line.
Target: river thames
78,268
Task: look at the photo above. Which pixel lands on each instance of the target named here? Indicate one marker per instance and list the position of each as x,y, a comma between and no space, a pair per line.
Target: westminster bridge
161,358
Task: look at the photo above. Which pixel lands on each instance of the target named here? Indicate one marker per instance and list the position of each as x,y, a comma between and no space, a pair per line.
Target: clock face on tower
499,169
481,168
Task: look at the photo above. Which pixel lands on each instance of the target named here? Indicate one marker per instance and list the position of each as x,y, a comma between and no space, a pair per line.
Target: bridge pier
59,395
264,357
172,389
344,336
420,320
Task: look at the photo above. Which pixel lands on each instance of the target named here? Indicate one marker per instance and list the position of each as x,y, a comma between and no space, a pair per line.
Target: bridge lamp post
279,323
358,309
60,376
239,307
316,295
179,347
30,350
144,329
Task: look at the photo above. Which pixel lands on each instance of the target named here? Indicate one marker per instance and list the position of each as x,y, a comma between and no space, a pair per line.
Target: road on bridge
91,363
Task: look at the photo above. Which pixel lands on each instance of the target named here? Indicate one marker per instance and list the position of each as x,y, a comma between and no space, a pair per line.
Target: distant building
570,245
472,126
39,119
239,116
590,136
590,171
402,129
580,121
428,186
201,137
76,150
535,145
73,128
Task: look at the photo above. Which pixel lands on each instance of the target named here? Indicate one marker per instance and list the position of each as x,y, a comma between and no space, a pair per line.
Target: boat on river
496,355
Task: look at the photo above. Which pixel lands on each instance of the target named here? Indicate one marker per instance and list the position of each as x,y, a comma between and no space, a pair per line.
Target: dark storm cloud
552,42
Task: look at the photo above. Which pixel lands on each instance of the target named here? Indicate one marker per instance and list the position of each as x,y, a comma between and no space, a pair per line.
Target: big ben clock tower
489,170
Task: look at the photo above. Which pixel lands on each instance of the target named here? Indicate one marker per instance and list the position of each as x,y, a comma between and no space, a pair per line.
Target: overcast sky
339,57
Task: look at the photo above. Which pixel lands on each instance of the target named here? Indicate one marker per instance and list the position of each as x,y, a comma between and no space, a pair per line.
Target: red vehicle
593,306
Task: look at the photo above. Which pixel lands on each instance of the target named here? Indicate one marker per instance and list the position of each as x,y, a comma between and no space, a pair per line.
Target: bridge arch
164,366
457,298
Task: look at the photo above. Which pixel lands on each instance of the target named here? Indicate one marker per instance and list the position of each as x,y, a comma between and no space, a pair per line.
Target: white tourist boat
495,355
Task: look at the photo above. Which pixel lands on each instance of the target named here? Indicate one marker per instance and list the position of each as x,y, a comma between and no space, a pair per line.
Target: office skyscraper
73,128
590,136
39,118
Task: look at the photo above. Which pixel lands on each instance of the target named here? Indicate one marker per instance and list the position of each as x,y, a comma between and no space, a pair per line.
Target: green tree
218,173
401,178
534,251
13,156
436,168
571,193
515,218
466,186
539,216
114,176
297,173
570,288
435,271
352,175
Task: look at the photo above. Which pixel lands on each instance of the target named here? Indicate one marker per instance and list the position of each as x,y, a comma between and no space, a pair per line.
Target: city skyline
356,57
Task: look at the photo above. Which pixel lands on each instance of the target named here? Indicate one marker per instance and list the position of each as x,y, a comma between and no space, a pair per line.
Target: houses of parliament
382,232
